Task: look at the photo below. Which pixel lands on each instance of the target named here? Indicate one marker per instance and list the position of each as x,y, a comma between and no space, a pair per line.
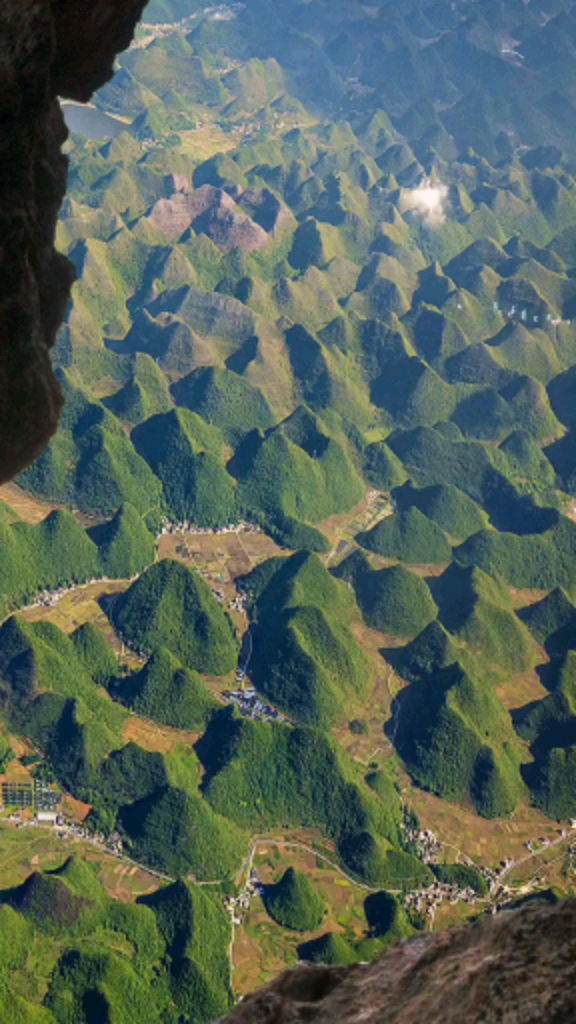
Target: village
186,526
428,848
250,704
425,901
40,804
236,904
50,596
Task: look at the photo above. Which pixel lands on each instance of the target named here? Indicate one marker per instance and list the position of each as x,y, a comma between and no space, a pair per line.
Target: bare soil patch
155,738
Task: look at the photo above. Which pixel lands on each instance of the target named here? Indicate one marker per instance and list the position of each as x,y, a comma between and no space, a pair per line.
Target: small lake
83,119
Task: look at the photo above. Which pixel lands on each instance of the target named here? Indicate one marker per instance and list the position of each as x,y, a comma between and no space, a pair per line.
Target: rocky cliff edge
515,968
48,48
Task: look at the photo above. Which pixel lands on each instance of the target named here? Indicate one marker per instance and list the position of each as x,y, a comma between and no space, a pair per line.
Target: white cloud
428,200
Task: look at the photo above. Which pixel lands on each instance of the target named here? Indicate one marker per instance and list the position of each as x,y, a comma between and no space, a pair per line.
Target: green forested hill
331,253
106,960
308,269
293,903
59,552
171,607
166,692
305,657
370,261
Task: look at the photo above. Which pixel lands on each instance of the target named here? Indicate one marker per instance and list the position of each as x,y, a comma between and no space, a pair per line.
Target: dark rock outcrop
48,48
516,968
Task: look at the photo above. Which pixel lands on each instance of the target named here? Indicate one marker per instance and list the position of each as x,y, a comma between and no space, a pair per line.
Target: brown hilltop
516,968
208,211
247,222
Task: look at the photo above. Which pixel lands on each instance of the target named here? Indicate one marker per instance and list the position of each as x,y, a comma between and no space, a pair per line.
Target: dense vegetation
95,653
435,352
92,463
387,922
163,958
456,738
305,657
185,453
309,331
331,948
59,552
196,933
478,609
554,783
409,537
464,875
169,693
259,773
296,470
386,918
177,832
171,607
304,305
394,600
332,250
552,621
446,505
293,903
48,693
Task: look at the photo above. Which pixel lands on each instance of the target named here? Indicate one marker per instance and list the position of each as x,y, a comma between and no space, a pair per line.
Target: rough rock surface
211,211
516,968
48,48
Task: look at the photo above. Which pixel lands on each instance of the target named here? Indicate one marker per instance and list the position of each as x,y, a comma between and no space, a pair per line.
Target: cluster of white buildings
186,526
425,901
250,705
427,846
236,904
49,597
494,876
111,843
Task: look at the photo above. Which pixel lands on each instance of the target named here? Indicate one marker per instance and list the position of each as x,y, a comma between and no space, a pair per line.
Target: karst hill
326,289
